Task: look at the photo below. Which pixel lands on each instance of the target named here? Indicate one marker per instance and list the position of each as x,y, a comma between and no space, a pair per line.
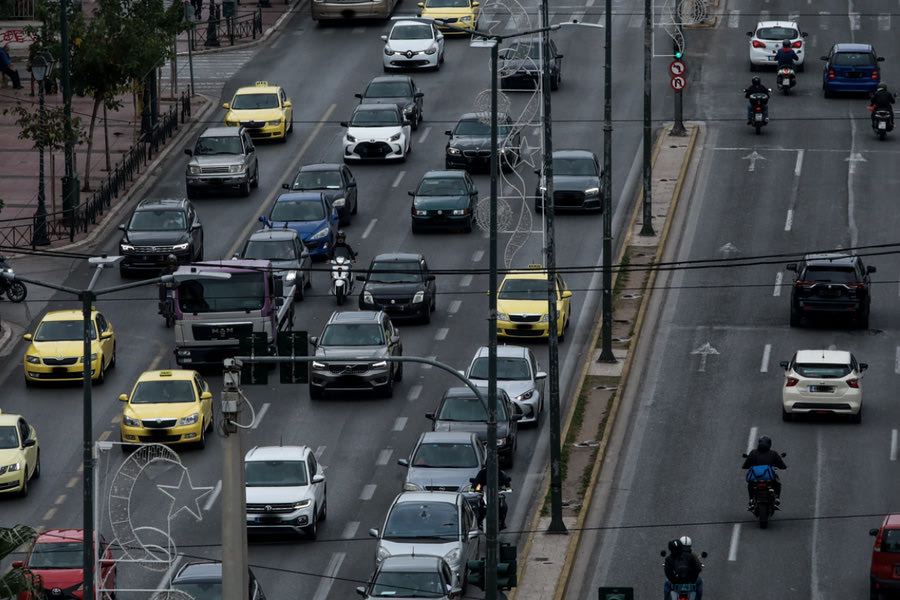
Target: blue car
851,68
311,215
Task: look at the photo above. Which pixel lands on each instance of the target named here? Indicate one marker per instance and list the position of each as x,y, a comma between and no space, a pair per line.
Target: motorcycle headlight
592,192
502,316
431,49
411,487
320,234
130,421
420,295
236,168
194,169
183,246
190,419
394,137
34,360
351,138
126,248
453,151
367,297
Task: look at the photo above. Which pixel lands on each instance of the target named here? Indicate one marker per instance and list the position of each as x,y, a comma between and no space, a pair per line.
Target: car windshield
298,210
255,101
353,334
58,555
243,292
830,274
218,145
163,392
445,456
395,272
422,520
520,51
275,473
777,33
508,369
466,408
318,180
62,331
447,4
388,89
411,32
574,167
853,59
269,250
442,186
375,118
199,590
395,584
890,541
478,127
158,220
523,289
9,437
822,370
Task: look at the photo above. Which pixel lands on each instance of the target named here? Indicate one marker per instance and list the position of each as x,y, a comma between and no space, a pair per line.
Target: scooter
341,278
683,591
758,113
474,495
761,482
882,123
786,79
167,306
14,290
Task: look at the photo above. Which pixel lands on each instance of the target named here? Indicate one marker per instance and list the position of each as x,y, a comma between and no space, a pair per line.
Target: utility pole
606,353
647,195
678,50
235,581
70,187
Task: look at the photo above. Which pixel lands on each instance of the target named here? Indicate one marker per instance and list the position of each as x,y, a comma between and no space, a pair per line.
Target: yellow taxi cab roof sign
165,373
262,84
535,266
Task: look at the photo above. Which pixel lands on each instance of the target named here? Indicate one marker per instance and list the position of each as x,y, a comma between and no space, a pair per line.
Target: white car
376,132
285,488
413,45
768,37
822,382
518,374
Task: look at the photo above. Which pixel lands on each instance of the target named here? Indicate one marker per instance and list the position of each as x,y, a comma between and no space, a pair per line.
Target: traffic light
293,343
476,573
677,54
507,567
255,344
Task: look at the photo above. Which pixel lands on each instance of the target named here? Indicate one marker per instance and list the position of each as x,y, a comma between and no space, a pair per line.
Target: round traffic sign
677,67
677,83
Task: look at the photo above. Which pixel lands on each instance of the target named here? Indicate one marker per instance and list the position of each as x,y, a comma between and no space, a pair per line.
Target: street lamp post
41,67
87,297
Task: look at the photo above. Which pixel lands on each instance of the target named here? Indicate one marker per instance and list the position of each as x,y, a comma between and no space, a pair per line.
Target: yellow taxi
465,13
20,455
522,308
167,407
57,346
264,110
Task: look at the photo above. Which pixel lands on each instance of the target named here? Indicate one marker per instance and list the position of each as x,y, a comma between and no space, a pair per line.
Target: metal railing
213,32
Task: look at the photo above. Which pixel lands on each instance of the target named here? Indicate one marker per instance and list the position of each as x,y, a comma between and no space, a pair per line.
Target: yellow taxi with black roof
522,308
167,407
264,110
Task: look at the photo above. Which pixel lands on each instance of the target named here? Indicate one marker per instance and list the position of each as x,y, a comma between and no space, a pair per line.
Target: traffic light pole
678,127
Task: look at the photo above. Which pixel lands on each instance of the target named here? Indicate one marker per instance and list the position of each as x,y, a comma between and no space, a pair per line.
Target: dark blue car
851,68
311,215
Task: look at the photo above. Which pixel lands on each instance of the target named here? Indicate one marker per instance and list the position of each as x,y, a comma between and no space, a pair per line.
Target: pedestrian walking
7,67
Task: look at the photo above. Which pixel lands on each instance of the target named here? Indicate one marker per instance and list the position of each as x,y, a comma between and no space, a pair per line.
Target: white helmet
686,542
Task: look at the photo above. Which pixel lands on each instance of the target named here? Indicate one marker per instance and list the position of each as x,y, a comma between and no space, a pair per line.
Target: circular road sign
677,67
677,83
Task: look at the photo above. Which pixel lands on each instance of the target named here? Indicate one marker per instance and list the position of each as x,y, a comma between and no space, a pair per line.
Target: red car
884,575
56,559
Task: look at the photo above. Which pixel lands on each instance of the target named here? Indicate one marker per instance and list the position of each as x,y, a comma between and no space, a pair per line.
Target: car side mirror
824,58
373,533
405,122
107,564
360,96
871,270
318,478
880,59
123,397
384,38
351,184
18,564
537,171
429,416
429,278
541,375
313,340
361,591
360,277
286,186
871,532
804,34
122,226
344,124
663,553
226,106
411,193
558,56
195,226
750,33
206,396
567,294
703,554
448,132
29,443
188,151
744,455
419,95
791,267
28,337
863,366
783,364
403,462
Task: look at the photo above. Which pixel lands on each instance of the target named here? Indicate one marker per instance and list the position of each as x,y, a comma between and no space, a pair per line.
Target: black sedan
396,89
521,65
444,200
401,285
335,181
469,146
577,182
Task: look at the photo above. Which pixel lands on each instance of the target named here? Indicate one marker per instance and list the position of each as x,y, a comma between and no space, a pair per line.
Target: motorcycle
474,495
341,278
758,113
882,123
14,290
786,79
761,482
683,591
167,306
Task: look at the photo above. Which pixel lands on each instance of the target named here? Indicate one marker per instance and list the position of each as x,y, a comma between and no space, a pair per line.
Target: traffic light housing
255,344
507,567
475,574
292,344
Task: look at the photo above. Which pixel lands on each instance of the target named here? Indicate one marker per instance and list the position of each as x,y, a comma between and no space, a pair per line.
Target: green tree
17,579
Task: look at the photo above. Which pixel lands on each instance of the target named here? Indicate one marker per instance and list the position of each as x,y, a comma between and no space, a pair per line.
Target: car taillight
758,44
875,74
857,285
803,284
797,44
830,73
791,382
854,383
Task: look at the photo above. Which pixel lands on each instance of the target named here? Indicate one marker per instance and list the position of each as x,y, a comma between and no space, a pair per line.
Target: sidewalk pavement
19,161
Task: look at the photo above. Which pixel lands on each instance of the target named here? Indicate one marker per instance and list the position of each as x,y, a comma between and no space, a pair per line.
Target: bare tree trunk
90,146
106,137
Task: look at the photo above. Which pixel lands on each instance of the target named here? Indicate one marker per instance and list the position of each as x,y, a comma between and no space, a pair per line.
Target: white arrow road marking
854,158
704,351
753,157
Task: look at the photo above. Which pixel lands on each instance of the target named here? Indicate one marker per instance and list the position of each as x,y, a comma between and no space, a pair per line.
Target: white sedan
376,132
769,36
822,382
413,45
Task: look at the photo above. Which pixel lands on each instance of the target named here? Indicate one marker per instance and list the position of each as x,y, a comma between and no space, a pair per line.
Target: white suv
822,382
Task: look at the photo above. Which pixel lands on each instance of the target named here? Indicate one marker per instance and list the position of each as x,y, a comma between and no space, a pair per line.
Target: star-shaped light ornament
185,497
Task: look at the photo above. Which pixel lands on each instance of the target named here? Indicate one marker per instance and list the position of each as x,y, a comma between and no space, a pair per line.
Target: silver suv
223,157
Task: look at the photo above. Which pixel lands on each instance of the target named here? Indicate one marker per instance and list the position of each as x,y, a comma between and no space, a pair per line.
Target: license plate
882,124
820,389
786,81
772,58
758,116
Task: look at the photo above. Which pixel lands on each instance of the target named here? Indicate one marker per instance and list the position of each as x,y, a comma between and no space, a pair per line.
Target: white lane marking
897,360
466,281
424,135
893,444
798,166
369,228
815,581
167,577
764,15
414,392
384,457
441,334
735,538
350,530
263,409
454,307
733,19
319,451
330,574
427,366
854,20
794,17
213,495
764,365
751,441
789,220
778,278
884,21
398,178
478,255
368,491
400,423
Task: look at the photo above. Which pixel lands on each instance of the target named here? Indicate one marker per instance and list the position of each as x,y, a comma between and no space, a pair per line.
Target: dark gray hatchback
401,285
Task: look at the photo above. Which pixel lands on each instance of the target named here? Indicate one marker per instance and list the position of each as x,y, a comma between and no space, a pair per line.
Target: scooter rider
786,55
342,248
169,269
882,99
764,455
682,566
756,87
503,482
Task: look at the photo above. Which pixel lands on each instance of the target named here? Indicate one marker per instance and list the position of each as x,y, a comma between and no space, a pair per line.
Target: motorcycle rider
169,269
756,87
882,99
342,248
503,482
682,566
764,455
786,55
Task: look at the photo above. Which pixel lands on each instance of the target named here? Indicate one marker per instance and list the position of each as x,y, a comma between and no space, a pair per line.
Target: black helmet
172,258
764,444
755,81
786,44
341,235
675,546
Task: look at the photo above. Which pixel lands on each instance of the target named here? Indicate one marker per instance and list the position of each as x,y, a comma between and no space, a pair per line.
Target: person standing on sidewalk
7,67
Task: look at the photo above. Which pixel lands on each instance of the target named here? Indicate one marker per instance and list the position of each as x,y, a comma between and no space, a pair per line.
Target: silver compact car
443,461
518,374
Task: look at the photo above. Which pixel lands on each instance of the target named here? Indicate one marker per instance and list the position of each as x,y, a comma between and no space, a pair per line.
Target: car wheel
800,67
315,392
244,190
857,418
291,125
554,83
112,361
24,491
126,448
387,390
200,254
426,314
467,228
298,293
355,207
786,416
398,376
255,182
828,93
308,277
863,319
201,443
795,317
312,530
509,460
415,124
416,229
324,513
209,424
538,206
101,377
36,474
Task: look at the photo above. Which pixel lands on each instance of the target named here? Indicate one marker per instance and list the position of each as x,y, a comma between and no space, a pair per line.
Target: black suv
400,285
156,229
830,284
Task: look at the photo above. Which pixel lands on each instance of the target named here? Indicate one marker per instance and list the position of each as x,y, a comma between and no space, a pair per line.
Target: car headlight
409,109
420,295
467,19
194,169
13,467
591,192
126,248
527,395
380,364
34,360
320,234
388,51
130,421
458,212
501,441
420,213
431,49
318,365
190,419
367,297
301,504
275,122
382,554
339,202
351,138
452,557
453,151
93,357
411,487
183,246
290,276
236,168
502,316
394,137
